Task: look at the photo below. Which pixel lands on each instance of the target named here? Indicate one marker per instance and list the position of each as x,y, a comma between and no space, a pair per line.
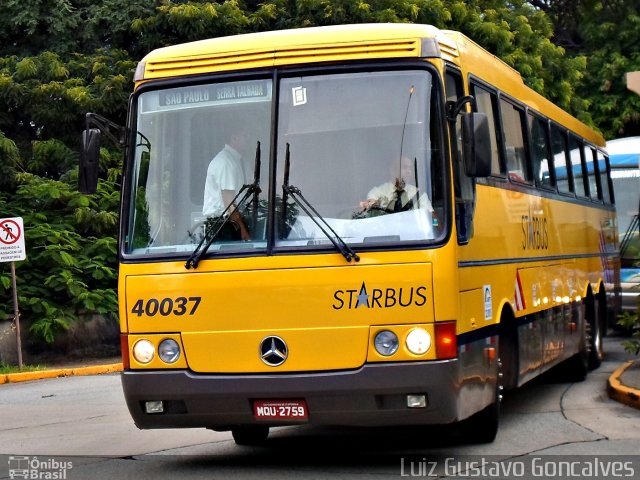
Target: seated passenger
397,195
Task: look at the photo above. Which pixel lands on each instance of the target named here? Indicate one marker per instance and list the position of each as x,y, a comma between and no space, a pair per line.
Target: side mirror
476,145
89,161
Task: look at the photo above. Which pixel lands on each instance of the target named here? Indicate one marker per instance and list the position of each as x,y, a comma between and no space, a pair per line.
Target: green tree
27,27
45,96
30,27
607,34
612,35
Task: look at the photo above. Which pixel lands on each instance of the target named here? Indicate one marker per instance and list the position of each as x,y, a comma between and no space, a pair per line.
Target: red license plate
280,410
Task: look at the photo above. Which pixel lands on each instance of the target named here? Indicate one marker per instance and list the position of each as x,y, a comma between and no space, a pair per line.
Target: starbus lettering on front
380,297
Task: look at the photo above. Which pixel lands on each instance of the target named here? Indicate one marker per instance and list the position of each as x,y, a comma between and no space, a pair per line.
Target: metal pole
16,314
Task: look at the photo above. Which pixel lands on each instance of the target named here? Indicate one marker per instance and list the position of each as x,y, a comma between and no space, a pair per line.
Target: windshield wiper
295,193
246,191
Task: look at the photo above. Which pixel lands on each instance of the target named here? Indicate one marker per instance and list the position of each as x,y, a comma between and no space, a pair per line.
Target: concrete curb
60,372
620,392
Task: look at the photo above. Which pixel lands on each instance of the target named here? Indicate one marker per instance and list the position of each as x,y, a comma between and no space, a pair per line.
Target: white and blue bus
624,159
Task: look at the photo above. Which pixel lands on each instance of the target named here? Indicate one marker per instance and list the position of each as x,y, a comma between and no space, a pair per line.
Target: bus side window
562,166
486,102
517,167
595,191
580,176
605,180
539,148
464,186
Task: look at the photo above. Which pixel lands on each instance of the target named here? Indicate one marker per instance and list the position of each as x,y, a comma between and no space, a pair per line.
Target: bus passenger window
540,152
579,173
592,169
485,102
564,177
604,179
514,142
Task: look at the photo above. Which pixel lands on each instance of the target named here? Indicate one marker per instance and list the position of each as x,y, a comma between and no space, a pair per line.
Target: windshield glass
363,151
195,149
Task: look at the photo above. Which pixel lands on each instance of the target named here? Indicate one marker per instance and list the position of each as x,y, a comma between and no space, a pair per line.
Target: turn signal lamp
124,349
446,340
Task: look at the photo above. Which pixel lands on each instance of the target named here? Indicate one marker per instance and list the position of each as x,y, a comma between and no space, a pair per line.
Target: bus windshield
363,149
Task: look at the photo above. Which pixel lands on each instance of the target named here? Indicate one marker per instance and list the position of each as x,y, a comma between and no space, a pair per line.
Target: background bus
624,158
477,271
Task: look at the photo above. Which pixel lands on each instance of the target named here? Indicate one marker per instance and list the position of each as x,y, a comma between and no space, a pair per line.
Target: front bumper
373,395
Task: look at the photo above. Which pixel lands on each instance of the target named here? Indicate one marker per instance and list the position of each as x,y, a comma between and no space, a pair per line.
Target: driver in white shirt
225,177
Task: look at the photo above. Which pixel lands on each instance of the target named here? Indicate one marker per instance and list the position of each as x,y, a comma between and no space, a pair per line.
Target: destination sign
228,92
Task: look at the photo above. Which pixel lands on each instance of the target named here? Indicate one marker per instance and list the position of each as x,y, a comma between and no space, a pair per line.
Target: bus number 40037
166,306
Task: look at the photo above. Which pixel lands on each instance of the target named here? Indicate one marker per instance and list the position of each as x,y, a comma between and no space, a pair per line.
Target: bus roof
287,47
350,42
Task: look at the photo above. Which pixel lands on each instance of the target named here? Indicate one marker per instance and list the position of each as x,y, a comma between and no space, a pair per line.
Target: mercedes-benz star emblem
273,351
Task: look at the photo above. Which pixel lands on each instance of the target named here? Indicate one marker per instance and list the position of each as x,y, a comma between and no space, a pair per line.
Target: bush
630,321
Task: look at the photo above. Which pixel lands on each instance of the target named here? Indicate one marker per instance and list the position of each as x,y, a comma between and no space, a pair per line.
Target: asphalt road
79,427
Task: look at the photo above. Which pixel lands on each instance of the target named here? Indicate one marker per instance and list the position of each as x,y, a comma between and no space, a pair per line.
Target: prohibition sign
9,232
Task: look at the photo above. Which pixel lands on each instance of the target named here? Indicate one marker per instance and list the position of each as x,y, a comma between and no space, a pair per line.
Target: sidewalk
624,384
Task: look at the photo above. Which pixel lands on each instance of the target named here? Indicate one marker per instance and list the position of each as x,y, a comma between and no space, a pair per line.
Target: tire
483,426
575,369
595,332
250,435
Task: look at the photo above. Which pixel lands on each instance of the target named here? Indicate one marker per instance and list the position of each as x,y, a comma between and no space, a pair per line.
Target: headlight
169,350
143,351
386,343
418,341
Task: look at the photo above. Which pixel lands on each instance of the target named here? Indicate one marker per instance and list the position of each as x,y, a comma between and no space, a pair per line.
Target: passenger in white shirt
225,177
397,195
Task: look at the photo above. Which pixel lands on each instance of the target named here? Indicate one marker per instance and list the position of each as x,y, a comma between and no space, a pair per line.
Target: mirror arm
116,133
453,109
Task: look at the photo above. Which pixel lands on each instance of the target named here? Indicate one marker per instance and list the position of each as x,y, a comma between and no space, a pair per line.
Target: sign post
12,249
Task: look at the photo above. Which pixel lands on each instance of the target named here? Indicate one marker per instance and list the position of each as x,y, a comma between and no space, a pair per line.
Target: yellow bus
351,225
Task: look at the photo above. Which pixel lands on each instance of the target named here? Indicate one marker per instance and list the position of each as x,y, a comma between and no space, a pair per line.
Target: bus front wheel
481,427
